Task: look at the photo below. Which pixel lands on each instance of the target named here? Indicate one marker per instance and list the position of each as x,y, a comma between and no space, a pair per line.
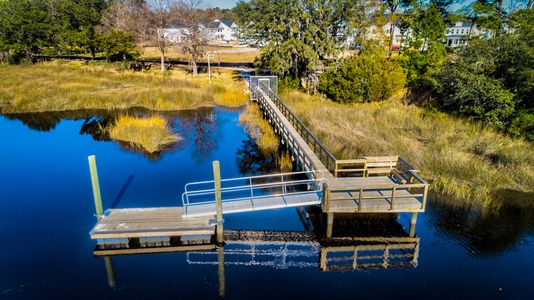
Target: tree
299,35
369,76
190,14
27,27
129,16
426,50
391,6
80,20
161,17
118,46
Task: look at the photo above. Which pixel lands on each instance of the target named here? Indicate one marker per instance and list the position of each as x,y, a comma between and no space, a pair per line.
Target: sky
221,3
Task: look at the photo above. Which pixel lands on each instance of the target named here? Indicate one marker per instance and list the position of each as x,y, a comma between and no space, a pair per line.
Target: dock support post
412,224
96,186
329,224
218,201
109,271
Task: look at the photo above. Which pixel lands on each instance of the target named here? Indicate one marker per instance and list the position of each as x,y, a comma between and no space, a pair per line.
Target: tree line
117,28
338,48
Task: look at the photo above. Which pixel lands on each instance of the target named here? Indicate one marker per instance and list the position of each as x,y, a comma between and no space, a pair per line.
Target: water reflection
200,127
358,242
483,232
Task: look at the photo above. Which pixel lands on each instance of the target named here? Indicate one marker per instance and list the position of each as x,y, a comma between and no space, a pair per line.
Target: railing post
392,197
284,186
96,186
326,197
218,201
360,197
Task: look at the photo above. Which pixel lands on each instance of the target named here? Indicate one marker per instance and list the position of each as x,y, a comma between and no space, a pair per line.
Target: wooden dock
381,184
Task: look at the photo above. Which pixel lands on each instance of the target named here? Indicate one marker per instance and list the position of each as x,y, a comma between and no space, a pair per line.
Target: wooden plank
149,222
185,248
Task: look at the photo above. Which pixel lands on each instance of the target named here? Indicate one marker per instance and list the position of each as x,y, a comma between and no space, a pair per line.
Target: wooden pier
379,184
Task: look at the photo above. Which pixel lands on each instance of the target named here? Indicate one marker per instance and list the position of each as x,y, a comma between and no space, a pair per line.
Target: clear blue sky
221,3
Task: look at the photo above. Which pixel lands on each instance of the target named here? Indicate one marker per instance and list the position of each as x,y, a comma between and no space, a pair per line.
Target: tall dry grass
464,161
58,86
151,134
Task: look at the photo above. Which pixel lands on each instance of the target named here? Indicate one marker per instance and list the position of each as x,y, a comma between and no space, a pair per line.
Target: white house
459,33
224,31
217,31
175,32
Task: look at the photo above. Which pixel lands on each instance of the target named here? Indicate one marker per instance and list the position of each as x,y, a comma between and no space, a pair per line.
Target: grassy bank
151,134
59,86
466,162
219,54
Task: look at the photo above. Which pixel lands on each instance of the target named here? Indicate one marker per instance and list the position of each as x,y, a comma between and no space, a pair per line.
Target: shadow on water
486,232
121,193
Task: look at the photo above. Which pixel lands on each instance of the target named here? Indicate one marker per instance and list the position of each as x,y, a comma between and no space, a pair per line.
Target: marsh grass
151,134
464,161
60,86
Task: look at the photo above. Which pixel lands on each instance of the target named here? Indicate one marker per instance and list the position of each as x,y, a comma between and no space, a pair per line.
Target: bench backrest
377,165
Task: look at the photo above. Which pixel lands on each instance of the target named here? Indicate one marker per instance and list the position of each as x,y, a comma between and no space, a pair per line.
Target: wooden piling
218,201
96,186
329,224
412,224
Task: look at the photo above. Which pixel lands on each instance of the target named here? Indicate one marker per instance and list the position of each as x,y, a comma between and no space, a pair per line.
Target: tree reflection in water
489,232
201,128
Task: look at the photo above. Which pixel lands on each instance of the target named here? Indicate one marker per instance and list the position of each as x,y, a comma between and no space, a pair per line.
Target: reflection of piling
96,185
329,224
412,224
218,201
109,271
221,272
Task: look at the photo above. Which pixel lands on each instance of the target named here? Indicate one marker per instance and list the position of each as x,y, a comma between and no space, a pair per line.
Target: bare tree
161,17
190,14
130,16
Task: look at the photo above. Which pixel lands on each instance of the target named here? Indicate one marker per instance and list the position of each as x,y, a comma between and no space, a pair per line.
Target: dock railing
326,157
407,183
252,187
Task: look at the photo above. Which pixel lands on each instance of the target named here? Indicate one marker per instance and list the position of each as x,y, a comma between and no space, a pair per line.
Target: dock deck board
150,222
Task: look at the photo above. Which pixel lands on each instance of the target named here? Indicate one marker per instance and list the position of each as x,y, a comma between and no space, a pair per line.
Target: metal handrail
312,181
328,160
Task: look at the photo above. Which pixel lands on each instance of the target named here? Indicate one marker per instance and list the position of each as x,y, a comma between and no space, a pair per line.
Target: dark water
46,212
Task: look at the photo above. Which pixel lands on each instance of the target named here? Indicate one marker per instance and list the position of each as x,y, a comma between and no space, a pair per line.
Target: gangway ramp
253,193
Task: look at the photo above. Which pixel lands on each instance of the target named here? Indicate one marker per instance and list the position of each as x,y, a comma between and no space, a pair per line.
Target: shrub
369,76
523,125
477,96
118,46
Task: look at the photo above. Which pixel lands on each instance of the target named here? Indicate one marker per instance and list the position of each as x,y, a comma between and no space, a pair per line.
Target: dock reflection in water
358,242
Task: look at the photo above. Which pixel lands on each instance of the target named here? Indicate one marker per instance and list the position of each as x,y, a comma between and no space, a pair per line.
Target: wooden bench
351,166
381,165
